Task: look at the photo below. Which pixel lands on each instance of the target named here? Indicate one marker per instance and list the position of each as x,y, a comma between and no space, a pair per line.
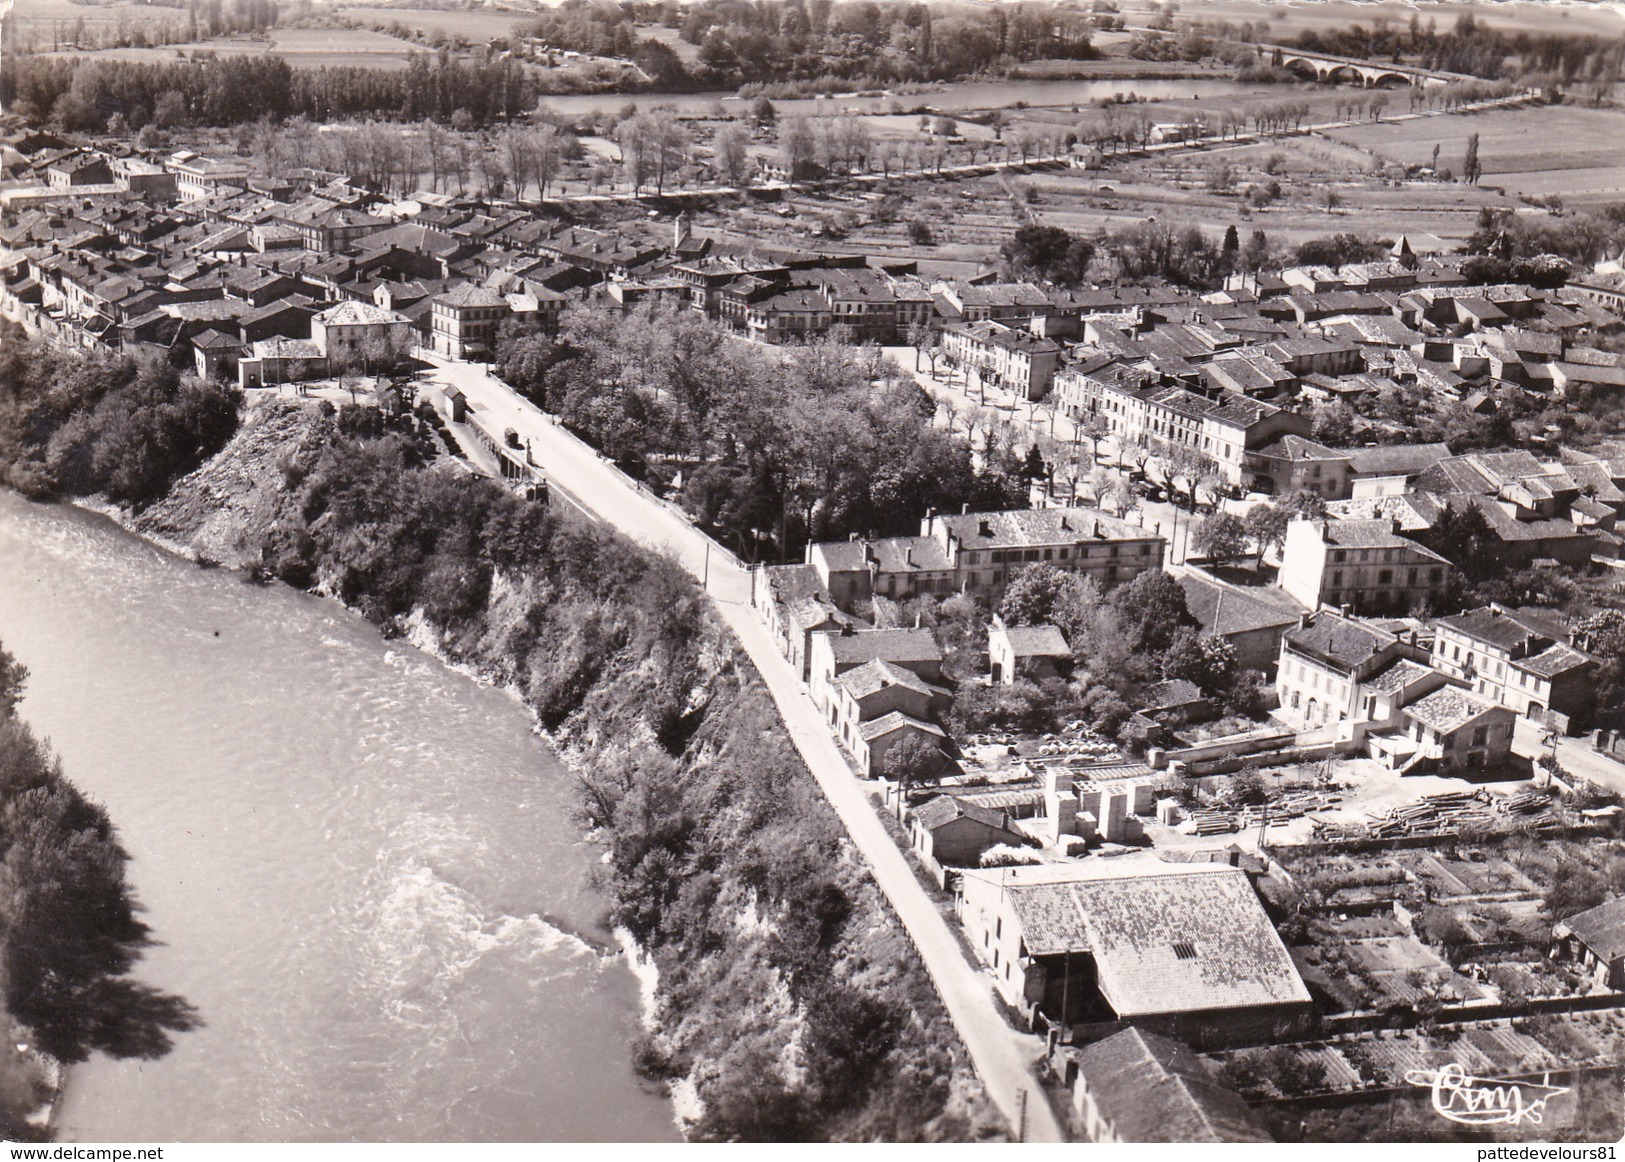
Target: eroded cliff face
217,513
789,1003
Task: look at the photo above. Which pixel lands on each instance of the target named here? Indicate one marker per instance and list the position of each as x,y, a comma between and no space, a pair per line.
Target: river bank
787,1004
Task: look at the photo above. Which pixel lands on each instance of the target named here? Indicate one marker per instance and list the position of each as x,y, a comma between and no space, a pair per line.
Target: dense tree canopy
123,427
772,447
1048,253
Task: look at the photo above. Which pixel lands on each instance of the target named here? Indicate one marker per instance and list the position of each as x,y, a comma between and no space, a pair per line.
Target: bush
1002,856
123,427
1252,1070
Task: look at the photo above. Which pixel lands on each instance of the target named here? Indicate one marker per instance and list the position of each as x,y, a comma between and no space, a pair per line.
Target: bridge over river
1372,75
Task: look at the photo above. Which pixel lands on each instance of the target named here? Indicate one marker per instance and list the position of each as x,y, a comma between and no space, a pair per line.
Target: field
474,26
1568,150
300,47
38,23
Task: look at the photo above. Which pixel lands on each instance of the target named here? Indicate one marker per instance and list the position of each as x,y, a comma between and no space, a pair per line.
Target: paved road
1003,1057
1574,755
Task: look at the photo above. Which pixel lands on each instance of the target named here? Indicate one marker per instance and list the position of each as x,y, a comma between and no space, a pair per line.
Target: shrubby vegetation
80,94
778,41
68,930
1047,252
1122,641
72,425
708,815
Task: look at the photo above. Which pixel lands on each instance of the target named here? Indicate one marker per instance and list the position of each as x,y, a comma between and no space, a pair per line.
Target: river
955,98
360,864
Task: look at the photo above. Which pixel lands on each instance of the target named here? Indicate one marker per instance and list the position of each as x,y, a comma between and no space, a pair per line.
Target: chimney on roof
985,529
1065,527
1343,610
908,555
1305,619
846,629
964,509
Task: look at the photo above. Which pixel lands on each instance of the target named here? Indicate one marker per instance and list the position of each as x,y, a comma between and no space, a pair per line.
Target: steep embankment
789,1002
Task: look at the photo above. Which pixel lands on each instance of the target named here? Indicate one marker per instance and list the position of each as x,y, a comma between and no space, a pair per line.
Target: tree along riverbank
69,936
789,999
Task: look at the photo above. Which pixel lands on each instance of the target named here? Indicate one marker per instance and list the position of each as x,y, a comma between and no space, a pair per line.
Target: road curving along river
360,864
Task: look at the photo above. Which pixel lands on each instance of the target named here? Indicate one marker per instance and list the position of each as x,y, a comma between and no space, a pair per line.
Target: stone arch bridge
1368,74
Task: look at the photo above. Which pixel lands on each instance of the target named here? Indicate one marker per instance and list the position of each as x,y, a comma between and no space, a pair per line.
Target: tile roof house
1135,407
1327,668
1519,660
1031,651
792,601
875,738
834,653
952,832
1597,938
877,690
1136,1086
1363,564
1388,470
1455,731
980,552
362,335
1293,463
1017,361
216,354
1184,949
464,321
1252,625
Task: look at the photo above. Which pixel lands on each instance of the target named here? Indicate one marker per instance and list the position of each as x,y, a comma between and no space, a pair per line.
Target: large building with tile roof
1365,565
1326,666
1136,1086
1252,625
1184,949
1225,426
980,552
1522,661
464,320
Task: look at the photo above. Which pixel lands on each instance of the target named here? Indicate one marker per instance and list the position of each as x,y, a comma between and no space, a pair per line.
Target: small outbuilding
1136,1086
1026,651
1596,938
950,832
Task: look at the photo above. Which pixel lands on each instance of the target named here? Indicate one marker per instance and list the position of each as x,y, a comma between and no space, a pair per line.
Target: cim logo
1485,1101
